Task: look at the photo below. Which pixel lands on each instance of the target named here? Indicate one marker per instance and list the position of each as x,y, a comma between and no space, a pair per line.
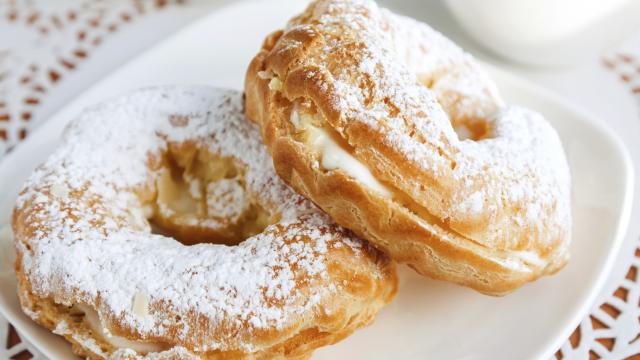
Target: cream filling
335,157
92,319
530,258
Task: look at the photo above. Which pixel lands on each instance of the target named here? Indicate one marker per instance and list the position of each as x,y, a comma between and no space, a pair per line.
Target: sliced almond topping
60,190
275,84
140,304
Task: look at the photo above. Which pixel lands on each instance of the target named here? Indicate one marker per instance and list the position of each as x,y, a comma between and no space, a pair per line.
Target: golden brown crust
336,60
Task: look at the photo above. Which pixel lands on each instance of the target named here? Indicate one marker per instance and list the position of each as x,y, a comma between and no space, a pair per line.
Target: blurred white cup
547,32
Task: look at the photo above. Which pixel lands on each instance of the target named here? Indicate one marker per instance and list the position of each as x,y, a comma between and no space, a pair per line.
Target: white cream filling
333,156
336,157
92,319
530,258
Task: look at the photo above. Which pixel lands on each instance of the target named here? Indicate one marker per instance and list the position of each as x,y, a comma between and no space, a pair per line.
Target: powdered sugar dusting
92,241
226,198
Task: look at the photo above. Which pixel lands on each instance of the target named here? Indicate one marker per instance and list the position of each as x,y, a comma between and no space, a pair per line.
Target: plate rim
622,225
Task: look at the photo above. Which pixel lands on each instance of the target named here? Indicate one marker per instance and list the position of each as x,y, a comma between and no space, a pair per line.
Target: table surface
50,51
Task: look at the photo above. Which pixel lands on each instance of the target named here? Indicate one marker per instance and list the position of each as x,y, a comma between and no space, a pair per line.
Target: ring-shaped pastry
399,135
94,265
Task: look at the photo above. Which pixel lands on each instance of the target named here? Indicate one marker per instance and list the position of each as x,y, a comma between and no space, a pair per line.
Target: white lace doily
612,330
48,53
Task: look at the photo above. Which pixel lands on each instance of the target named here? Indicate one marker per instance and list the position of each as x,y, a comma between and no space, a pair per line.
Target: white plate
428,318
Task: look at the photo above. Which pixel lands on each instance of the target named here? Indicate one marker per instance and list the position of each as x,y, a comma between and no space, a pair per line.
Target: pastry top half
400,135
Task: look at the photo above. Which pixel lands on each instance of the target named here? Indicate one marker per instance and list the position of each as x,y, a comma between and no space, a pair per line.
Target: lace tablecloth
52,50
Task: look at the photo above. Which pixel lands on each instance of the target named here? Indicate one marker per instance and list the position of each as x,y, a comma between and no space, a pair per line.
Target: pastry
95,264
399,135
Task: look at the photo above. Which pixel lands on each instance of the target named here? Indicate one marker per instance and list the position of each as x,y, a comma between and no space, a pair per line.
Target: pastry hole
466,128
202,197
473,130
